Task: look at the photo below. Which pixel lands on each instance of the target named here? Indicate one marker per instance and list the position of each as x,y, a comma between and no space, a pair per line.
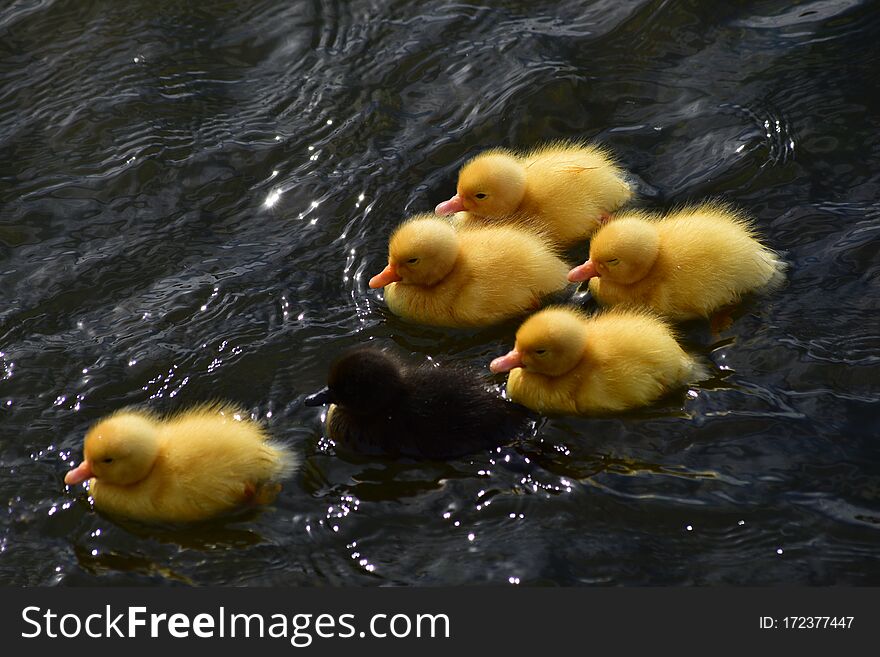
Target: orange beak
507,362
453,205
385,277
79,474
583,272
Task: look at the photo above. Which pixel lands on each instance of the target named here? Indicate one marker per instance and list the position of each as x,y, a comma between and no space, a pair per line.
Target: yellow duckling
684,265
567,362
470,277
567,189
192,466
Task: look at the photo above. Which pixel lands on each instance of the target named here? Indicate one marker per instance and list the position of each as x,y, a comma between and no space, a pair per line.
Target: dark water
193,198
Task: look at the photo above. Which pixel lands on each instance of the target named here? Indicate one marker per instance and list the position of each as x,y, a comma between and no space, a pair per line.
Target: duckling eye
612,262
412,261
540,352
107,460
480,195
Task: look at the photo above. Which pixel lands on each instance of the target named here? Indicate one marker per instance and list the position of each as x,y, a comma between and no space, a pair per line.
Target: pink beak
453,205
79,474
385,277
583,272
509,361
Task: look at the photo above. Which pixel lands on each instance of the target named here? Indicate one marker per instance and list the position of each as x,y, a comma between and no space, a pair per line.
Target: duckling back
726,252
572,188
451,413
244,449
633,358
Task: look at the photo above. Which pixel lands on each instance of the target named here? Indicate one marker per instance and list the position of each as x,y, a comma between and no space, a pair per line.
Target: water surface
192,199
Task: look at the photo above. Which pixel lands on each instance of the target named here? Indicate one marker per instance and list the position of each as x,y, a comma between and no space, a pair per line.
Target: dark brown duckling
381,406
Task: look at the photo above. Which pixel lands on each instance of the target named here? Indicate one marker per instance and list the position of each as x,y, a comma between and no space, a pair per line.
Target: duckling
471,277
381,406
567,188
684,265
566,362
192,466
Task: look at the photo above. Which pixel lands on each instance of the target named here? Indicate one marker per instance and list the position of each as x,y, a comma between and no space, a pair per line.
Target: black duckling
382,406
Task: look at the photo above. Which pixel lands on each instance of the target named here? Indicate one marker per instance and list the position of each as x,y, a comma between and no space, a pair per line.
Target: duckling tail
696,371
287,462
778,268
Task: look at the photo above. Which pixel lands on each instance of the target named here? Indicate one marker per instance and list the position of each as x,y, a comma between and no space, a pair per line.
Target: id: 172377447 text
806,622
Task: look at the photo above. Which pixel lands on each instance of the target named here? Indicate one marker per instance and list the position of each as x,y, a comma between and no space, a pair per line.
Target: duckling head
422,251
490,185
364,381
120,450
550,342
623,251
